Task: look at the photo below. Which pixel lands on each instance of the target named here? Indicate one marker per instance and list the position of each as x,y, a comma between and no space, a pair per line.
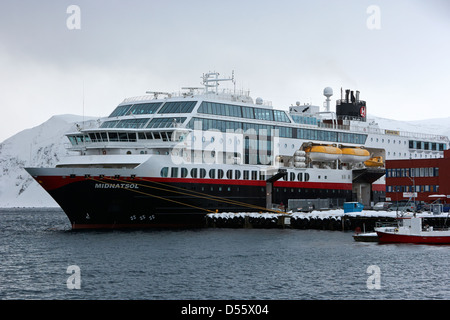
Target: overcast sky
397,54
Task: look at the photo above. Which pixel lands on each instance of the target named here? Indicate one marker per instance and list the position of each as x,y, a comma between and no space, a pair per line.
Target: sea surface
41,259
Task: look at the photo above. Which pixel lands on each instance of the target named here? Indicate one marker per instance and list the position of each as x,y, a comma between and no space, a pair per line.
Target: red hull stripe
55,182
261,183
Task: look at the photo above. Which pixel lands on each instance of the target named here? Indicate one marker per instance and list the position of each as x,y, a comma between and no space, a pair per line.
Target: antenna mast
211,80
157,93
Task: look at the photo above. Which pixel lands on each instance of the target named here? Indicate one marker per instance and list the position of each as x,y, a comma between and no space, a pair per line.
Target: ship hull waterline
97,202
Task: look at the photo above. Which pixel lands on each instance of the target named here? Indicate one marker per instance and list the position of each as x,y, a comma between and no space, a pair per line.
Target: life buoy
104,151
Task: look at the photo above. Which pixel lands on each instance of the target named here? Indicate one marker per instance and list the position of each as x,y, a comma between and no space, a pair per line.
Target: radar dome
327,92
259,100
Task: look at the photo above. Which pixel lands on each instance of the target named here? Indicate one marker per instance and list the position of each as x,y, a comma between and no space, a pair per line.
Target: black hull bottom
107,203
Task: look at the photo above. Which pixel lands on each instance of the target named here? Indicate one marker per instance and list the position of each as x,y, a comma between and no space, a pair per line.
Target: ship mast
211,81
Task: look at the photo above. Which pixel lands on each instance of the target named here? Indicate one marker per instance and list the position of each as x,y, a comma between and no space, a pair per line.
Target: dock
334,220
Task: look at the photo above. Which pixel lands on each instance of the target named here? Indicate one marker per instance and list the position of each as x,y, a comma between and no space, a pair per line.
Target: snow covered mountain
44,145
439,126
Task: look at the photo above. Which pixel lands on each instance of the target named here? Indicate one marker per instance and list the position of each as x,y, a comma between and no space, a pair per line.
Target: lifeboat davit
323,153
374,162
352,155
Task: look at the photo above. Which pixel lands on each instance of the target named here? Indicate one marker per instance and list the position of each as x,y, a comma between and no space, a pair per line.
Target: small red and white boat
411,231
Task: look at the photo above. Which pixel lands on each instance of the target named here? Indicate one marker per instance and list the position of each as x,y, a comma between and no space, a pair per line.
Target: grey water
39,251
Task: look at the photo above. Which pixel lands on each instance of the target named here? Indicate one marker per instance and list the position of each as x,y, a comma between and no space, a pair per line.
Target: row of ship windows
418,188
424,145
154,107
412,172
205,107
142,123
221,125
118,137
222,109
387,140
305,119
416,155
412,144
162,135
268,130
263,190
176,172
430,156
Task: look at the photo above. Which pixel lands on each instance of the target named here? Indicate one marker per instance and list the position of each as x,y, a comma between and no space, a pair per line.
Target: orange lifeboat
374,162
353,155
323,153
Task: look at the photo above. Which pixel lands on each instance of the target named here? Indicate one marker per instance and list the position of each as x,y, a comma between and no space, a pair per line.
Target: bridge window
132,123
165,122
145,108
178,107
120,111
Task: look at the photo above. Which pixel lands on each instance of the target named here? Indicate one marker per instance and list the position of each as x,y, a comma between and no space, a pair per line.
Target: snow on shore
326,214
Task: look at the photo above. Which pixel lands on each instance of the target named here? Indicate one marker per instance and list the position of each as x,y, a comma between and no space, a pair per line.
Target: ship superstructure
166,159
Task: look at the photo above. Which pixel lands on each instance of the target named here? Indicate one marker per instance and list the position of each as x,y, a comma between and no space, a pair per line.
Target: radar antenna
156,93
191,90
211,80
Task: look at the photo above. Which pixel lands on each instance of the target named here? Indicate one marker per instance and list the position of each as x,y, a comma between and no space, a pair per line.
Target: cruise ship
168,159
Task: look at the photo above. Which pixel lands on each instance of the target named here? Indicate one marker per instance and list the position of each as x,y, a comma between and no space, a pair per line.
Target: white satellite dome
327,92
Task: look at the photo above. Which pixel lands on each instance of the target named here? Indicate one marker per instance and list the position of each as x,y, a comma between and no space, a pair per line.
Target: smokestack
357,95
347,92
353,97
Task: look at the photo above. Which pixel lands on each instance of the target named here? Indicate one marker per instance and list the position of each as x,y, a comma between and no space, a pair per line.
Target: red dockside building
425,177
